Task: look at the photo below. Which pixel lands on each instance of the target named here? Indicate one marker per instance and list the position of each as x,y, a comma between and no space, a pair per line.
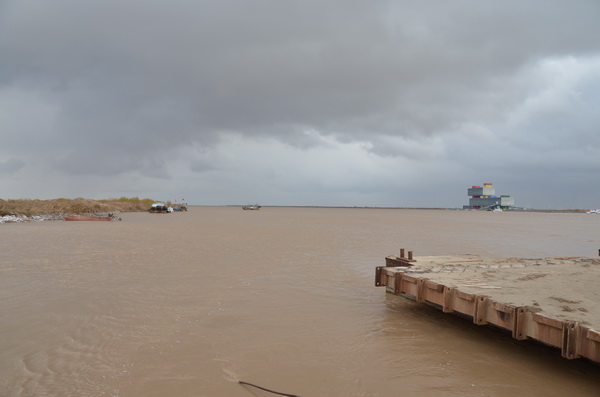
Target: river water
186,304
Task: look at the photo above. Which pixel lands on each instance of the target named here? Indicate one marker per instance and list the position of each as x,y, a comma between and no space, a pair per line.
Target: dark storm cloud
124,85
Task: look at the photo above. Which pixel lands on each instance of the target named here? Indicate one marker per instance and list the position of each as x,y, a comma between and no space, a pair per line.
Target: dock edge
523,322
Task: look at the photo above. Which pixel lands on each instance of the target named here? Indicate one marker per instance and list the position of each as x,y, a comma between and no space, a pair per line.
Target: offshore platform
485,198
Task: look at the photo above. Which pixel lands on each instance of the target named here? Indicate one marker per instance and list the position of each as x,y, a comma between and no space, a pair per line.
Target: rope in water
270,391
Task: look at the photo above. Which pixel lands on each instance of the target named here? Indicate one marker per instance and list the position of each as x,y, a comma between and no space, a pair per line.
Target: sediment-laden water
185,304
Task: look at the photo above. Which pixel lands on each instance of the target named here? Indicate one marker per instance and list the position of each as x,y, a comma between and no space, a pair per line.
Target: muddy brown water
185,304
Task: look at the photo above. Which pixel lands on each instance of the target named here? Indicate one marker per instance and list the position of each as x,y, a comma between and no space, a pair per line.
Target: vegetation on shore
26,207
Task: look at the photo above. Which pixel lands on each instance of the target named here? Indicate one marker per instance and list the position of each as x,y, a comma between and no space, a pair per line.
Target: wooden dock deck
555,301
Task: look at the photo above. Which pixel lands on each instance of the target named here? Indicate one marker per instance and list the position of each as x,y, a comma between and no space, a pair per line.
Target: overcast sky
283,102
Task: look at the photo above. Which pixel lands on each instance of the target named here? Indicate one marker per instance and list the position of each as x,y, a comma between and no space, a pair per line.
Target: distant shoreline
55,207
52,208
574,211
17,217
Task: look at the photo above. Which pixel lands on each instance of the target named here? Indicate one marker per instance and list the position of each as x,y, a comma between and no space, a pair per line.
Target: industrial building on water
485,198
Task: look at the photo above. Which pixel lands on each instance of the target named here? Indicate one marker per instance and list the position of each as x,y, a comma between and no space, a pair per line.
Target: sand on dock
561,288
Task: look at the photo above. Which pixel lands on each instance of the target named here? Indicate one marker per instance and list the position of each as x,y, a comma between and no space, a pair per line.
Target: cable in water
233,378
241,382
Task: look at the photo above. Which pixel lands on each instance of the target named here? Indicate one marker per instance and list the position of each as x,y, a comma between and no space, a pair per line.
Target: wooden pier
555,301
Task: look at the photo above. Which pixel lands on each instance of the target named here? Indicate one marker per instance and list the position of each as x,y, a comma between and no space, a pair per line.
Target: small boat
251,207
158,208
88,218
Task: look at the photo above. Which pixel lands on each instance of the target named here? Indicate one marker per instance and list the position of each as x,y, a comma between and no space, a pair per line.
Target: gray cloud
111,89
10,166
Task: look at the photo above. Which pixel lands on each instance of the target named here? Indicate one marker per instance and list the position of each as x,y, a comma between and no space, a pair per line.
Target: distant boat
88,218
593,212
251,207
158,208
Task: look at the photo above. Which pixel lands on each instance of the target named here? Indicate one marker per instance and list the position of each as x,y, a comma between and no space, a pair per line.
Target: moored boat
160,208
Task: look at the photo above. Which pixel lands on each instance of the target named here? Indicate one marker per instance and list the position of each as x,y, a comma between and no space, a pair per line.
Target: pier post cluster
523,322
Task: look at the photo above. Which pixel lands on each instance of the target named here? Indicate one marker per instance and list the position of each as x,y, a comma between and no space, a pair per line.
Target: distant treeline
29,207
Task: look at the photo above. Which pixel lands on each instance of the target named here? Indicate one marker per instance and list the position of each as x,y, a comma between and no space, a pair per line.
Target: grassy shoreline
83,206
78,206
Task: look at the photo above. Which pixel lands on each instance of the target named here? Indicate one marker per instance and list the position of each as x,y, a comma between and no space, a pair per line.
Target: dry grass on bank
72,206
